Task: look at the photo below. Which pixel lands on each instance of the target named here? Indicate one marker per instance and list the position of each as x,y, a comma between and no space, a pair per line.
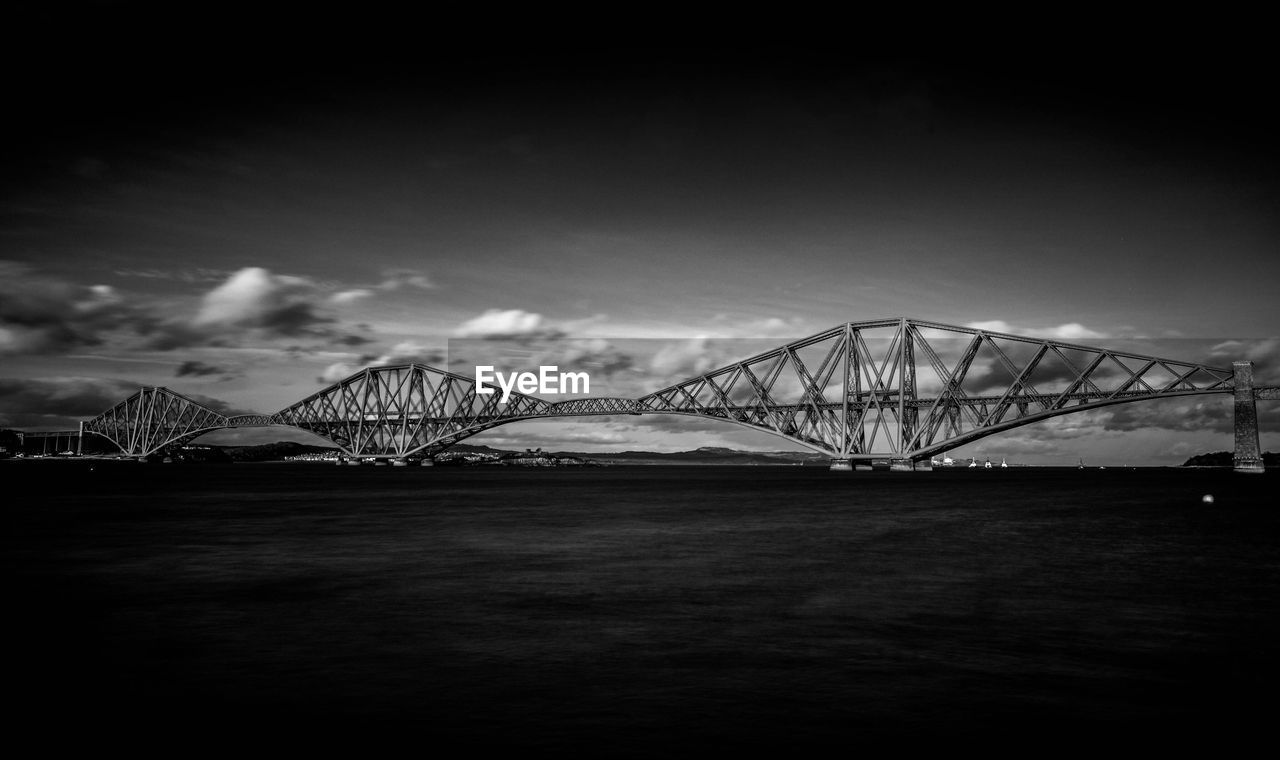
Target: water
635,611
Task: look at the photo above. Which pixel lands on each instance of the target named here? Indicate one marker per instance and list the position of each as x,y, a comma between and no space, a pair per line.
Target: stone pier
1248,455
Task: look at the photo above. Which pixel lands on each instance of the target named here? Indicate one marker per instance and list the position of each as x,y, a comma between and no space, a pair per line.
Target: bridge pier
901,465
1248,455
841,465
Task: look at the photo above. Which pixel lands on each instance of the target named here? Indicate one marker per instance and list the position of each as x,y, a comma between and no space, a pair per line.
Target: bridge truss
909,389
902,389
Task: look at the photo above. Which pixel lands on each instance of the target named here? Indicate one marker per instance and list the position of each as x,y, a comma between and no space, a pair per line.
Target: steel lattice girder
892,387
402,410
154,418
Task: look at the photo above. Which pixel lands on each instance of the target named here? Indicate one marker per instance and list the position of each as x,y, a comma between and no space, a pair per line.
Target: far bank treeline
1223,459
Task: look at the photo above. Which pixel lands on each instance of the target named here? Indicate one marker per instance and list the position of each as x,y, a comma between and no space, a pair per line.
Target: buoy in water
1207,498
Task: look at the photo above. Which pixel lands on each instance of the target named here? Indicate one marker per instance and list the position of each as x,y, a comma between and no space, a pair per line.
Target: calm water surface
641,611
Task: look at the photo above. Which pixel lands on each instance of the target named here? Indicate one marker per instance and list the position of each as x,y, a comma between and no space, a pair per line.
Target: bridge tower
1248,456
908,413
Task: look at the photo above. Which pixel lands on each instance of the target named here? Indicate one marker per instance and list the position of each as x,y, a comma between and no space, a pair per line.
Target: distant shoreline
610,464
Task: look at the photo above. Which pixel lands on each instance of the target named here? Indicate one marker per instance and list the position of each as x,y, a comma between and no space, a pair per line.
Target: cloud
218,405
760,327
350,296
200,369
62,402
253,297
1264,353
197,275
410,352
1189,414
1072,331
41,315
405,352
595,355
499,323
63,398
394,279
337,371
682,359
254,305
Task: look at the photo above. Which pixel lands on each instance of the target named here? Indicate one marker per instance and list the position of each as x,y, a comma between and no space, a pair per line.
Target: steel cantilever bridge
898,389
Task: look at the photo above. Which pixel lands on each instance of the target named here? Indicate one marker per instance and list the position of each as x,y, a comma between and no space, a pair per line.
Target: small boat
987,465
1003,463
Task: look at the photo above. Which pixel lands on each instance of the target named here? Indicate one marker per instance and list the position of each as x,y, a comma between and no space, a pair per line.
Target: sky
246,217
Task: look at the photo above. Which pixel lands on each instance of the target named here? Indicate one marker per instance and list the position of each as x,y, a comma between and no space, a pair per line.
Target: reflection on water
636,610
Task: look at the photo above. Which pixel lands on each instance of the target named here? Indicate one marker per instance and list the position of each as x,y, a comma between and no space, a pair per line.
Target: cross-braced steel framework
154,418
905,388
901,388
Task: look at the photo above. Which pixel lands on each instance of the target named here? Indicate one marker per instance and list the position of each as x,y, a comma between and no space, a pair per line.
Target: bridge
898,389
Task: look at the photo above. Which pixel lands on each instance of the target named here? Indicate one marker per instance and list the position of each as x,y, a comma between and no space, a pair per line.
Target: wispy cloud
405,352
254,297
197,275
1072,331
40,314
255,305
201,369
393,280
350,296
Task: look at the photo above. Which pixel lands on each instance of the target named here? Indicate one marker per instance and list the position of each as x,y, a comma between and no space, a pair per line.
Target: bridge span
898,389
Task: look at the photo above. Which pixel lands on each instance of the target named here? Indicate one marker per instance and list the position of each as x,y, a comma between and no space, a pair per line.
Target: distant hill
705,455
270,452
1224,459
468,448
